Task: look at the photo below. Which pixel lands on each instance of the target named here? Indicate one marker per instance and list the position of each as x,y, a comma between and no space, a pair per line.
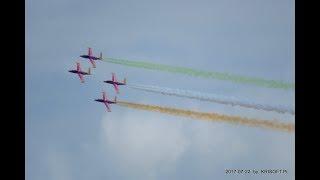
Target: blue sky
69,136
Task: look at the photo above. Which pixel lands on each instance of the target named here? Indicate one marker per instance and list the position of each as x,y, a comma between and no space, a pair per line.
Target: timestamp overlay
253,171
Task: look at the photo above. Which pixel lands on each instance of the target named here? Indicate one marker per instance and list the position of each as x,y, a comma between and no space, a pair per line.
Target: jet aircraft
80,72
115,83
106,101
91,57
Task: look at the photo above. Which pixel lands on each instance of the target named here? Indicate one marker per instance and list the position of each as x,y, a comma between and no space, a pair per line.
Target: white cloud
148,145
143,144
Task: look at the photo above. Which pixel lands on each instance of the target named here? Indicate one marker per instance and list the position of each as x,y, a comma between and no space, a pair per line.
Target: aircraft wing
116,88
81,77
104,96
78,67
93,63
89,51
114,79
108,108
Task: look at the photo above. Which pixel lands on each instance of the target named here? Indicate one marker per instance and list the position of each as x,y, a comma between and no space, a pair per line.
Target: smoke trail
275,125
203,74
211,98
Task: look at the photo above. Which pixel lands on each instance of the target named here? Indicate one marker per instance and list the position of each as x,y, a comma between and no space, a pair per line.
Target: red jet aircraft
106,101
80,73
91,57
115,83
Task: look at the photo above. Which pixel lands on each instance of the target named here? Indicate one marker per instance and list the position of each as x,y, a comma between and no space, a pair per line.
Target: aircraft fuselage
90,57
103,101
112,82
79,72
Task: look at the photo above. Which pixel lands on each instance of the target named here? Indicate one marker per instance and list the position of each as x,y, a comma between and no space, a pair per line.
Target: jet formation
113,81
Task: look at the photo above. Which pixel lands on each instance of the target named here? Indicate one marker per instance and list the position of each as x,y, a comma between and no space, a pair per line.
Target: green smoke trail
204,74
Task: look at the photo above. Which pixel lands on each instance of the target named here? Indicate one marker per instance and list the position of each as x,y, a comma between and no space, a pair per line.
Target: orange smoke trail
275,125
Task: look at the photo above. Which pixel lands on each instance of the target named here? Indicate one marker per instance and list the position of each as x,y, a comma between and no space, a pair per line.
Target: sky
70,136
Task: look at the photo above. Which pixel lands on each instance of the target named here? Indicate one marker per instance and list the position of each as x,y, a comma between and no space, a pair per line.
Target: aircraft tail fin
125,81
100,56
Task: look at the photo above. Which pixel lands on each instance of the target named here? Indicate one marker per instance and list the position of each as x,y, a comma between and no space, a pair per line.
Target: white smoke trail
212,98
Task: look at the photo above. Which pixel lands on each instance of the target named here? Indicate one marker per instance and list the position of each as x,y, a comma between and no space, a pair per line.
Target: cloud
148,145
143,144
